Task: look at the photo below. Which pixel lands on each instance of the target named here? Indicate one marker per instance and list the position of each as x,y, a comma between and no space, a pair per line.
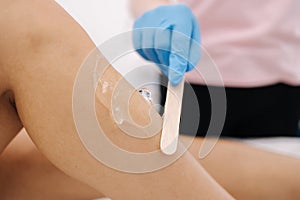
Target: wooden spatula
171,120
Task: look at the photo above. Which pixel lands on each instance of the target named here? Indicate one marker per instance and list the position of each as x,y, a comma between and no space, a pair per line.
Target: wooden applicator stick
171,120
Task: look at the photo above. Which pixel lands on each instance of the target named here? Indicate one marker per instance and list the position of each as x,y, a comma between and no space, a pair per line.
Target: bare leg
271,176
48,48
46,62
250,173
230,163
26,174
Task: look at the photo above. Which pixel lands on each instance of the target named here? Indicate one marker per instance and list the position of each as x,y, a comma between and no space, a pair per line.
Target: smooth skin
42,49
39,60
26,174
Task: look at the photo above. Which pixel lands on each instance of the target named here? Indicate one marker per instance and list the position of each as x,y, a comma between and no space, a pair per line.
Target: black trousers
251,112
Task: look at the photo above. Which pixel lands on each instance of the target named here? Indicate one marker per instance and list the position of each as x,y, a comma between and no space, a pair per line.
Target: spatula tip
169,148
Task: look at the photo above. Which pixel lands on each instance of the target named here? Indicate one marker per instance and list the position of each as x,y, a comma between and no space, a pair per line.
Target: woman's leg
26,174
43,50
251,173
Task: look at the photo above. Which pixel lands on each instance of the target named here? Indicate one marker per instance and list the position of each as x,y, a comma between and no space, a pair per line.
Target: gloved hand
170,37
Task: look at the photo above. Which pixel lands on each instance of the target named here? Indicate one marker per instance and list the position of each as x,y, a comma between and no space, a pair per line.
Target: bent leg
46,60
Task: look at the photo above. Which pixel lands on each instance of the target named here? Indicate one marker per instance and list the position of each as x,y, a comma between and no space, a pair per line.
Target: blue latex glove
170,37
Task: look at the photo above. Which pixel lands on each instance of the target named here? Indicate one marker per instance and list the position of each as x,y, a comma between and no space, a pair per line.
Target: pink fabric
253,42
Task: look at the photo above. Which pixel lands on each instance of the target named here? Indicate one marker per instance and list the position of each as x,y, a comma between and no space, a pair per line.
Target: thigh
250,173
